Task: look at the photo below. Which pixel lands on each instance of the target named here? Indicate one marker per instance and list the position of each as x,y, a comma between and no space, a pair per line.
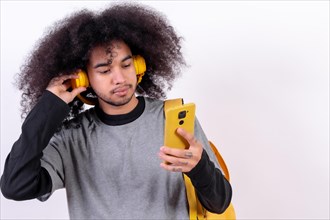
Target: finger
172,151
188,154
169,159
190,138
175,167
174,160
67,84
64,78
70,76
172,168
178,153
77,91
59,80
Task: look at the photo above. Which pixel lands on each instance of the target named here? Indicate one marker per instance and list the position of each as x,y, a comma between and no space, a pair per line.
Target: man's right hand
59,86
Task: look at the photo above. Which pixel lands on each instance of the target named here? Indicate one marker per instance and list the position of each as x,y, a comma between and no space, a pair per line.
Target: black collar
121,119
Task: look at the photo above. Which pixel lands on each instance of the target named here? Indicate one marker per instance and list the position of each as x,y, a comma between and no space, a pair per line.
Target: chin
121,101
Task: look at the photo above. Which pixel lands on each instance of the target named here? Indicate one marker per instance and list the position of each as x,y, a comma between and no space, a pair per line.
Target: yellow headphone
82,81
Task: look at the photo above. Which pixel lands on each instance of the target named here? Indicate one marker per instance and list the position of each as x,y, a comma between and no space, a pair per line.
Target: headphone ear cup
81,81
140,67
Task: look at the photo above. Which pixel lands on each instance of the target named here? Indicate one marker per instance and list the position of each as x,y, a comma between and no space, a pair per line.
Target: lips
121,91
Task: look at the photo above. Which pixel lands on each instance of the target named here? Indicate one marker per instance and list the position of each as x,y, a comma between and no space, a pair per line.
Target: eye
126,65
104,71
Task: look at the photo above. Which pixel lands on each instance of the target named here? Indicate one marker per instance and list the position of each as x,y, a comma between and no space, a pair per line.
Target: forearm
213,190
23,177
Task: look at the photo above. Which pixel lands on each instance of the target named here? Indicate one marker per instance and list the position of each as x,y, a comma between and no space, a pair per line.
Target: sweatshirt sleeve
212,188
24,177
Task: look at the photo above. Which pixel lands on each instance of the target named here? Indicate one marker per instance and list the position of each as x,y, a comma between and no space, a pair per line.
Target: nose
118,76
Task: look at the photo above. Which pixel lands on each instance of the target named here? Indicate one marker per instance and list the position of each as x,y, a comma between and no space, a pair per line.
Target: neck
111,109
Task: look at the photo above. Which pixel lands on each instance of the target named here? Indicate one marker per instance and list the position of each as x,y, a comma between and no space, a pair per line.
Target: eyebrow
106,64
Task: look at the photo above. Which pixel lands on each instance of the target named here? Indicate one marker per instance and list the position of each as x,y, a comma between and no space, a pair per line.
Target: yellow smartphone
182,116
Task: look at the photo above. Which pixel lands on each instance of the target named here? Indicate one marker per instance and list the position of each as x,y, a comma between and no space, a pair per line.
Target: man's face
112,74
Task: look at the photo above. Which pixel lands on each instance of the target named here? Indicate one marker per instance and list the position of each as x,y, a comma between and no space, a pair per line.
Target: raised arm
23,177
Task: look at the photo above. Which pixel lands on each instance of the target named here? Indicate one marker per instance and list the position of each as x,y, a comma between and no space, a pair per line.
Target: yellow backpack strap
221,161
172,103
191,197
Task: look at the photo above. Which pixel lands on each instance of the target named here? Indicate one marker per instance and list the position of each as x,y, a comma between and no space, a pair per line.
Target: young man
110,157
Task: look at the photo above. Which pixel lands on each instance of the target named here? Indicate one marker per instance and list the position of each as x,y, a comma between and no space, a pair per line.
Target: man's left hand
182,160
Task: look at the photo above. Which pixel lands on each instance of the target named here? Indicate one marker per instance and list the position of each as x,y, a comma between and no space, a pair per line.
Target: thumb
77,91
190,138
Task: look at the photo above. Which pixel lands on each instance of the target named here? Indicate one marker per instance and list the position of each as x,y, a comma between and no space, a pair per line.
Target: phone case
179,116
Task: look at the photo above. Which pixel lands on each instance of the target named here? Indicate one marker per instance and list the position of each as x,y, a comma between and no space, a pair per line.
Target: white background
259,74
